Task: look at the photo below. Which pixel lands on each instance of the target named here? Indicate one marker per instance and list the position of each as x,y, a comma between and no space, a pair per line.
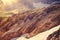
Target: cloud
46,1
27,3
40,5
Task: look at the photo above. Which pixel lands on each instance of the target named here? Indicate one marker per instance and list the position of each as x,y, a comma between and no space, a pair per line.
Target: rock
54,36
31,22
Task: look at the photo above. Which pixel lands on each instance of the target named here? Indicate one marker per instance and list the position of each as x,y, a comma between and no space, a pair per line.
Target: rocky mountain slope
30,23
54,36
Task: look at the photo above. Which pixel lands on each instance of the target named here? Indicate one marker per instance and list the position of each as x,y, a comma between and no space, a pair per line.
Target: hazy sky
26,4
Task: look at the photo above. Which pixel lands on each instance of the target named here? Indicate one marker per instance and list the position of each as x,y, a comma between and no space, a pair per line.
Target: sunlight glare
8,2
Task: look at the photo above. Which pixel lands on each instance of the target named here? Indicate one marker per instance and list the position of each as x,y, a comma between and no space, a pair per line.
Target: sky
20,6
25,4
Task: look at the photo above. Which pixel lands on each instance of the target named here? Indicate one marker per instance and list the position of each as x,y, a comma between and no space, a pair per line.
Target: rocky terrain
54,36
41,36
30,23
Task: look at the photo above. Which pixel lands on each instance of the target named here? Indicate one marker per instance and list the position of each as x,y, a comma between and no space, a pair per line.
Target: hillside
30,23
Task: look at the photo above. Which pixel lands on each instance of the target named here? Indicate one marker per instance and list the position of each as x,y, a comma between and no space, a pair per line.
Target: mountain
54,36
30,23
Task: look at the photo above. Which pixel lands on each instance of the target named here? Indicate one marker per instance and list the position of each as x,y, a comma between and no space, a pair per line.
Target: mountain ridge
31,22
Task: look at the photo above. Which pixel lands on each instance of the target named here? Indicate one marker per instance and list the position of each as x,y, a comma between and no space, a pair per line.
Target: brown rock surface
30,22
54,36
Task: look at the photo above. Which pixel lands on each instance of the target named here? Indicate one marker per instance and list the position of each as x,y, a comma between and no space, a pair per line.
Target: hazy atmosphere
25,4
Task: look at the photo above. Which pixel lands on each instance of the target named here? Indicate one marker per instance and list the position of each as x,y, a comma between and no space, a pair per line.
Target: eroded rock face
54,36
31,22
